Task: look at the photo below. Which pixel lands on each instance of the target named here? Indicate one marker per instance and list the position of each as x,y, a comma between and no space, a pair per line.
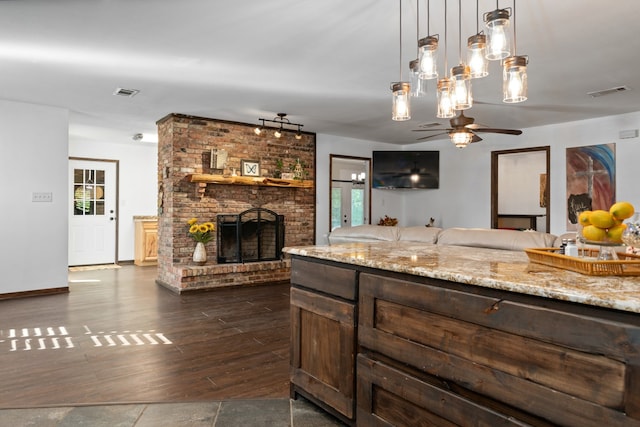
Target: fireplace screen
253,235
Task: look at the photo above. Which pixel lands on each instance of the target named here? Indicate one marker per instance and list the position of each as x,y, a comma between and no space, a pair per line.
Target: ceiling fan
463,131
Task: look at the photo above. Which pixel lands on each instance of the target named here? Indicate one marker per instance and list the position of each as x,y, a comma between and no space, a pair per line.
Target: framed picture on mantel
250,167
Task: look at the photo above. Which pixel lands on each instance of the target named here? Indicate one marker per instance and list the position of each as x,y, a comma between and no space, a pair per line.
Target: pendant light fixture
427,52
514,74
460,74
445,84
401,90
498,36
476,52
418,85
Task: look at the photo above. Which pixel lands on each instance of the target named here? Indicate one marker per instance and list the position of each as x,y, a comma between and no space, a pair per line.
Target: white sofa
475,237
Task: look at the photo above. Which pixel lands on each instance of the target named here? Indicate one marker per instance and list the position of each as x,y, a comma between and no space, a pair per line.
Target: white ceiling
327,63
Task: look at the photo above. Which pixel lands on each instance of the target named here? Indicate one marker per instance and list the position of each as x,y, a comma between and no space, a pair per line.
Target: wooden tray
627,265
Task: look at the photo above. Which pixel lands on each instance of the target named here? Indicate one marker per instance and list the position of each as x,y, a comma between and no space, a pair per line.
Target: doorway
93,220
520,188
350,191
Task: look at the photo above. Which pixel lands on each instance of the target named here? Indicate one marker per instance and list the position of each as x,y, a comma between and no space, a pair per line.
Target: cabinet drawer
389,396
567,367
326,278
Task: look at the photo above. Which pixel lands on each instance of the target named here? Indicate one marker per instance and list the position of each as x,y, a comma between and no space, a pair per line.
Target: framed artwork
250,168
591,179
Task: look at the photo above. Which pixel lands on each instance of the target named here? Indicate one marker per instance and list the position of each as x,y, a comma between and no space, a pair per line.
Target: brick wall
184,148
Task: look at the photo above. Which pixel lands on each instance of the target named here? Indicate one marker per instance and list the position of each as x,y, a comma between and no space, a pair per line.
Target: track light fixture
283,122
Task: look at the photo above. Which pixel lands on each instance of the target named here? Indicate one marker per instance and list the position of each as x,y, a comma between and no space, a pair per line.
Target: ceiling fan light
427,57
418,85
278,133
498,35
462,98
401,109
258,130
461,138
476,56
514,79
445,99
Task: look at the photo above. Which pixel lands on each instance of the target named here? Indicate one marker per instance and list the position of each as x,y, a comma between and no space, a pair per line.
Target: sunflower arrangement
201,232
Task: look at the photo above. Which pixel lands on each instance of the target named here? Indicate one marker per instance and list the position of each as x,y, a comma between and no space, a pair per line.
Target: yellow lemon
601,219
593,233
614,233
622,210
583,218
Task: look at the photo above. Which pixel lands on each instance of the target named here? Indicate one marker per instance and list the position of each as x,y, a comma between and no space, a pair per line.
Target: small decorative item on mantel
201,233
388,221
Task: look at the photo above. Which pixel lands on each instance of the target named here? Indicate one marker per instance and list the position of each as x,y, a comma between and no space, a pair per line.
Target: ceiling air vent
608,91
126,92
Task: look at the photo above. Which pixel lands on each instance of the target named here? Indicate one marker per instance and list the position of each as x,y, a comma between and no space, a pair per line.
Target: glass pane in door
357,206
336,207
88,192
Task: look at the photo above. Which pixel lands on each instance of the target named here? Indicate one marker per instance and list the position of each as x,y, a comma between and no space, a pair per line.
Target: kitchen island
396,333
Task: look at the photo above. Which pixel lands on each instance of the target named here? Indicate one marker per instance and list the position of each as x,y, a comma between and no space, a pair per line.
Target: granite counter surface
497,269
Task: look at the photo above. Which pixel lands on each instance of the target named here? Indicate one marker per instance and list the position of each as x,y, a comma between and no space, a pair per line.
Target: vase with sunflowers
201,233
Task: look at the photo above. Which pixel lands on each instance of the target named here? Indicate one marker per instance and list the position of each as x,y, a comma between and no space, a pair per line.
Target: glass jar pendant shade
461,77
461,138
427,57
514,79
498,35
445,98
418,85
401,105
476,56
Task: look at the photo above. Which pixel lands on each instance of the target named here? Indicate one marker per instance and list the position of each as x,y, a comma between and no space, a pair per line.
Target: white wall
33,235
138,165
464,196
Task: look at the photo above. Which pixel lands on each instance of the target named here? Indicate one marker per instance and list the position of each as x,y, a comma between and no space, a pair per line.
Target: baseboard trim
35,293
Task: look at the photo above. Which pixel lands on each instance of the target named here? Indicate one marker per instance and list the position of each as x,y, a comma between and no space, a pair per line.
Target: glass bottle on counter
571,249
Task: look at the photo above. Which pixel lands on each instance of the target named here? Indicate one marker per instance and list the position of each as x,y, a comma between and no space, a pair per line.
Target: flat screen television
406,169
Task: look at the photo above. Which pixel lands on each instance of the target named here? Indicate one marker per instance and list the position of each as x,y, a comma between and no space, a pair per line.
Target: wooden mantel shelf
249,180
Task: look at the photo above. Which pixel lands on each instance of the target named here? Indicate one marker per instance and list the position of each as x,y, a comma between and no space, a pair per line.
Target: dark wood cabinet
428,352
446,354
323,341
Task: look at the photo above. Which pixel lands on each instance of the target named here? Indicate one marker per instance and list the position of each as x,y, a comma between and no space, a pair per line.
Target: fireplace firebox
253,235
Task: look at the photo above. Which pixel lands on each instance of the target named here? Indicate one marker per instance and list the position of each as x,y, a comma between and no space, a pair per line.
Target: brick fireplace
185,147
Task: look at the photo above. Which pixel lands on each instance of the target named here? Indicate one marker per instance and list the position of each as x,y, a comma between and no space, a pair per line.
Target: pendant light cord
460,30
514,28
446,64
400,50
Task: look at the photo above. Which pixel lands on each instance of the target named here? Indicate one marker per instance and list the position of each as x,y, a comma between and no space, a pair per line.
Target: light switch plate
42,197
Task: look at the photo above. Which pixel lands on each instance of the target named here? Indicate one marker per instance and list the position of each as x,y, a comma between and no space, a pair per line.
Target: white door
92,212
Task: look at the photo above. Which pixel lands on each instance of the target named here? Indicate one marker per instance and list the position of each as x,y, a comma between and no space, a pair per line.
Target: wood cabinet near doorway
146,241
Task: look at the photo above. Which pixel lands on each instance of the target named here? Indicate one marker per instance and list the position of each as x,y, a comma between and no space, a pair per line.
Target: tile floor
235,413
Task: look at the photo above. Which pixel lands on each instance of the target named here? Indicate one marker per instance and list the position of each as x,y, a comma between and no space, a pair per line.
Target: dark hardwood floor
117,337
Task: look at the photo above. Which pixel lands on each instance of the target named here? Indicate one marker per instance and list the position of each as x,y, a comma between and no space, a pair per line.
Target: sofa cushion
512,240
363,233
419,233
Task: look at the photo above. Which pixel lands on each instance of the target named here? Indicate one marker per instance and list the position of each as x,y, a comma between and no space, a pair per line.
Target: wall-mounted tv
406,169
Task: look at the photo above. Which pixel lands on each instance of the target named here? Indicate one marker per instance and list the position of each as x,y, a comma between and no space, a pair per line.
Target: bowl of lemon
604,228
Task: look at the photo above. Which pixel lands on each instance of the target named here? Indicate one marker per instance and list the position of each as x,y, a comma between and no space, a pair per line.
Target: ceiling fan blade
432,130
432,136
495,130
476,138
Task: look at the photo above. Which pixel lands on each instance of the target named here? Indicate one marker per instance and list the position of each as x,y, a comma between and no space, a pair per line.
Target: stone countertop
145,218
490,268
